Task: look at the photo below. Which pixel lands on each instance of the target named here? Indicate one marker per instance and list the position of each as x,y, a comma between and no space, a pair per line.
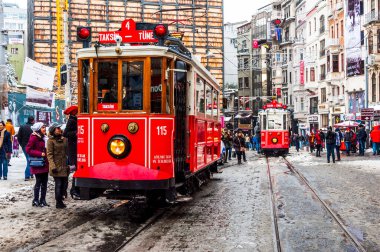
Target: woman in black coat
70,133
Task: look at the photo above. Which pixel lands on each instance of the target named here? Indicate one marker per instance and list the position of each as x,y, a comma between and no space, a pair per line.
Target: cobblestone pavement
233,212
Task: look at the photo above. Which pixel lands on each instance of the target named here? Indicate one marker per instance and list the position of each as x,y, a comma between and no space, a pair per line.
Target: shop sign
367,114
313,119
338,110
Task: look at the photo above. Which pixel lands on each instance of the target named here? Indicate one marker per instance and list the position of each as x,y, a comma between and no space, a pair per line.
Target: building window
323,72
240,82
378,40
323,95
332,31
302,104
337,30
290,77
322,24
374,88
246,82
246,63
314,105
341,28
310,28
312,74
14,50
370,42
322,47
335,62
307,75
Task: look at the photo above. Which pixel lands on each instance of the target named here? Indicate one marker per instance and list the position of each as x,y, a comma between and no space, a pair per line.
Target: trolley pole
67,58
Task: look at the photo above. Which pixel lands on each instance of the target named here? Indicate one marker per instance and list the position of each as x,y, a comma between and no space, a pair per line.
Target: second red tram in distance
275,125
148,123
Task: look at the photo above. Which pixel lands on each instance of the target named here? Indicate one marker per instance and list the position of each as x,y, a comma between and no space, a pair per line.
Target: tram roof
144,51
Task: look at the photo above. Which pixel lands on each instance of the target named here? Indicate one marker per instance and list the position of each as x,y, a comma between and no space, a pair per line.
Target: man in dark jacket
330,144
347,140
70,133
239,145
362,137
23,137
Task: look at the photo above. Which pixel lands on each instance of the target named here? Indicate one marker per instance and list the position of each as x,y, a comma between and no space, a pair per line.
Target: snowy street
232,212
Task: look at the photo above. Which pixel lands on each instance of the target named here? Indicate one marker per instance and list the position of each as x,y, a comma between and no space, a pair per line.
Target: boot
43,203
35,203
60,205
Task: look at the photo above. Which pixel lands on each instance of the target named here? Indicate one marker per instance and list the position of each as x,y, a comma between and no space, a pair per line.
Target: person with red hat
70,133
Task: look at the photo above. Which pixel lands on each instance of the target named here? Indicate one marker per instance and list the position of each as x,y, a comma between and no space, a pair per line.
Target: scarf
2,137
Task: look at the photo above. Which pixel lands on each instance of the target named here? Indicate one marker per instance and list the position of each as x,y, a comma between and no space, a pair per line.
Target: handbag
37,161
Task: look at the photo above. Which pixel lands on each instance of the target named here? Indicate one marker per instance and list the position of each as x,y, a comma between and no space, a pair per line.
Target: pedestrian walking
258,141
362,137
11,129
375,138
70,133
312,141
296,140
248,142
23,136
229,144
15,147
5,150
323,138
225,142
318,141
338,140
58,168
239,145
347,140
39,165
330,144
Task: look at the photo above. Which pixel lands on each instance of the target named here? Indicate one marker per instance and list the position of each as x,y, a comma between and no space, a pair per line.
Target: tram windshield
275,122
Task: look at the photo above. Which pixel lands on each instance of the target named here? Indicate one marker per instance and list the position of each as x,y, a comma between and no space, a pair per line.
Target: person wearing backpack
338,140
330,144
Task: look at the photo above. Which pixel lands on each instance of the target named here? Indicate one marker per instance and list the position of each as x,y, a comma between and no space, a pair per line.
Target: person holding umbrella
70,133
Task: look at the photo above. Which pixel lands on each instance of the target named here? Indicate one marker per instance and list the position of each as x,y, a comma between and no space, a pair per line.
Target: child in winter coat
15,147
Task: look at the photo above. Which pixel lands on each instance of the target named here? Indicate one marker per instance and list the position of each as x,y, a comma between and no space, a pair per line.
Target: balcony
286,41
335,76
373,59
339,6
299,41
333,44
371,17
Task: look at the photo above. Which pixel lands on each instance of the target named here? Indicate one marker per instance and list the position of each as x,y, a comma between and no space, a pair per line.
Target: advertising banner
38,98
37,75
356,102
355,64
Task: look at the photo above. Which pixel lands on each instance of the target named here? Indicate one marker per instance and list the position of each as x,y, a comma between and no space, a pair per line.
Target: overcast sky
239,10
234,10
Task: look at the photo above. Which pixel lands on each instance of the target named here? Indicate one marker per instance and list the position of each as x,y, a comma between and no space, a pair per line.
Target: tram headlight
274,140
119,146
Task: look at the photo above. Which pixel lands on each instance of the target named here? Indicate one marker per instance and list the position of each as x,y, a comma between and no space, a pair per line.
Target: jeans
318,153
3,167
60,186
27,169
238,153
258,148
348,147
248,144
244,158
361,147
41,185
330,152
376,148
229,151
337,149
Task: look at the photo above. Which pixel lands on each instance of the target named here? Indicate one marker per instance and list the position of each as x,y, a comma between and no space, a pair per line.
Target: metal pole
67,59
3,69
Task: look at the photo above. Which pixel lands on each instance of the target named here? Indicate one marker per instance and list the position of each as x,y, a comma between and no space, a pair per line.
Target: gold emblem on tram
133,127
105,127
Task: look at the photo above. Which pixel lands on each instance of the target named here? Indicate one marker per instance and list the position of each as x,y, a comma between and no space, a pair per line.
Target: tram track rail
325,206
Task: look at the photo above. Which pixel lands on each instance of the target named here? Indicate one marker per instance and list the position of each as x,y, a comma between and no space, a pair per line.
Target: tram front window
275,122
132,85
107,86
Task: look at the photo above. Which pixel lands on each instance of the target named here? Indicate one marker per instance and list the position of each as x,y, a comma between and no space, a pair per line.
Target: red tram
147,124
275,124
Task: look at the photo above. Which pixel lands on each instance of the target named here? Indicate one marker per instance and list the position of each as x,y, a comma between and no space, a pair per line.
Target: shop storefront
313,122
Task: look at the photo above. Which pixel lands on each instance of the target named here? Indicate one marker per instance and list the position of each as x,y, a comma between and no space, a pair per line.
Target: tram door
180,80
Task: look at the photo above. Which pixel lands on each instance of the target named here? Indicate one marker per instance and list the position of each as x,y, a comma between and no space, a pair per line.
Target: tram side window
284,122
133,85
200,94
85,86
264,122
215,98
107,86
209,103
156,85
